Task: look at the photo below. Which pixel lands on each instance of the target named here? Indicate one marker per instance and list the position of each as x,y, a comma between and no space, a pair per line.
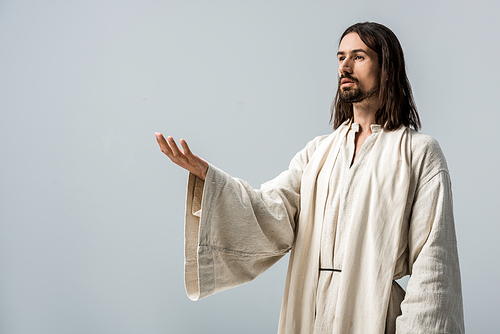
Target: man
358,209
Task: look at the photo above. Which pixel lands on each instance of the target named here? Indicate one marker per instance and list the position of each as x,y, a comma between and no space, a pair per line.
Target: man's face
358,70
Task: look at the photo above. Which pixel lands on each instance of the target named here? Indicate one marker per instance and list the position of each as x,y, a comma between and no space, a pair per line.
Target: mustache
347,76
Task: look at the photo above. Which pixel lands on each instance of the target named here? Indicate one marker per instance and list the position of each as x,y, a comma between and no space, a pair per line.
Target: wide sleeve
233,232
433,301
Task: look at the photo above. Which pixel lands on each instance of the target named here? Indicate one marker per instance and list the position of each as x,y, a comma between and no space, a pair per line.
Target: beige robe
233,233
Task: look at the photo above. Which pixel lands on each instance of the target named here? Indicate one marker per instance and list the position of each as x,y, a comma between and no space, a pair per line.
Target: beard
355,94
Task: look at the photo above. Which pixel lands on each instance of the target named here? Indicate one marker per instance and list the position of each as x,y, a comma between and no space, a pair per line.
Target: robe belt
339,271
328,269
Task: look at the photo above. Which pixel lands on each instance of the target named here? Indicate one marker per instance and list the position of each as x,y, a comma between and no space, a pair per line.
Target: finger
164,147
159,138
185,148
173,146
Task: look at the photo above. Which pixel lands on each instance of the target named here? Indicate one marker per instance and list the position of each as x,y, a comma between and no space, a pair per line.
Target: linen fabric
399,222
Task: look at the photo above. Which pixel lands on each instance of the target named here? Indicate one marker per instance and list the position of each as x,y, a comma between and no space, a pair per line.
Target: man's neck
364,114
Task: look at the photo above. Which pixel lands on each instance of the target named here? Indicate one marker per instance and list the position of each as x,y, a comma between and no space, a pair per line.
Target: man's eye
341,58
358,57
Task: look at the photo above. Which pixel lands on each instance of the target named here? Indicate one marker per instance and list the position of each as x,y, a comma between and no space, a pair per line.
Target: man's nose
345,66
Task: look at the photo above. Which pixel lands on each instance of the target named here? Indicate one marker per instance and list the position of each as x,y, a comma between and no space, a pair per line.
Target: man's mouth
346,81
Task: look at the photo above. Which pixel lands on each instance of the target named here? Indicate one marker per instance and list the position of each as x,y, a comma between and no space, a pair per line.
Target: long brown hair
397,106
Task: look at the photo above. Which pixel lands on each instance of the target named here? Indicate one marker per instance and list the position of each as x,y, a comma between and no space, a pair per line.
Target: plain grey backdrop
91,212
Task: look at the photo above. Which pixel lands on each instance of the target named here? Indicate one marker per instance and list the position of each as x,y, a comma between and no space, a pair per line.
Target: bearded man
358,209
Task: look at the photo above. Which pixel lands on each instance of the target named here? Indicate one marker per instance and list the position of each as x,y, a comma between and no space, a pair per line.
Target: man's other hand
184,158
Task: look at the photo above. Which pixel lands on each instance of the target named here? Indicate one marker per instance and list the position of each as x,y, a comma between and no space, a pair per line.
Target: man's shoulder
314,143
425,145
427,155
423,141
307,152
303,157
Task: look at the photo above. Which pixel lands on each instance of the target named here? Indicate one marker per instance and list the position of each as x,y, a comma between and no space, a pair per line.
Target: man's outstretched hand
184,158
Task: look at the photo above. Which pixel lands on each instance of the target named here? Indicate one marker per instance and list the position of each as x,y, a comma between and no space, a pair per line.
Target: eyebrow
352,51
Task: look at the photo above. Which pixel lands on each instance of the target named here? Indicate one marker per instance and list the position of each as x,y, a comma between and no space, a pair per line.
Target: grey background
91,212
